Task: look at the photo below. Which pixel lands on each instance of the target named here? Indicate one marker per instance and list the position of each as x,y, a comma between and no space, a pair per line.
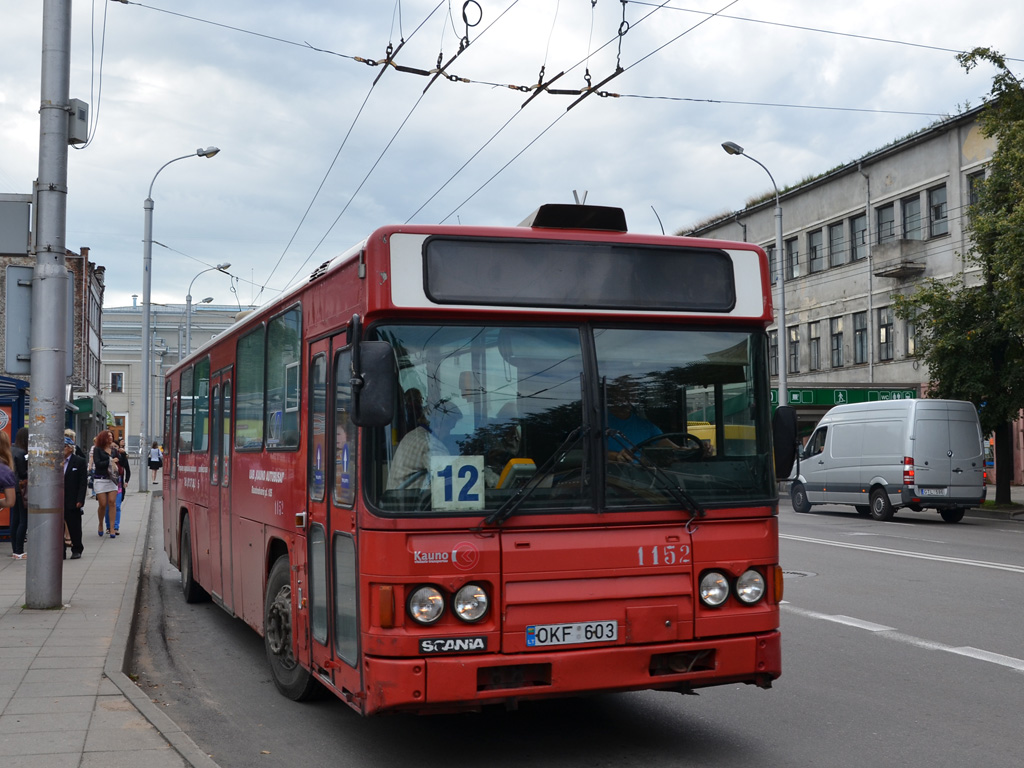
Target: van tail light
908,470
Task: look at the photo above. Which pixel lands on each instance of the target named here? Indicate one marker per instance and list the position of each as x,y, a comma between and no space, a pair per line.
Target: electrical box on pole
78,121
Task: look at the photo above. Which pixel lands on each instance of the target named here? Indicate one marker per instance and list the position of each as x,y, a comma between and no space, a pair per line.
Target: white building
122,356
854,238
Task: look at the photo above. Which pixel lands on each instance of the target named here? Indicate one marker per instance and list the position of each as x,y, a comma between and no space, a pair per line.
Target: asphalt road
903,645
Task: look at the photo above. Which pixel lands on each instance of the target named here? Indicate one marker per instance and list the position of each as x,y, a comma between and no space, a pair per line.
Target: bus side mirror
784,440
373,384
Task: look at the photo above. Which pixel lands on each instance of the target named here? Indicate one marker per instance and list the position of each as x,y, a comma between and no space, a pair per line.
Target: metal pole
188,324
49,373
147,261
147,350
783,331
733,148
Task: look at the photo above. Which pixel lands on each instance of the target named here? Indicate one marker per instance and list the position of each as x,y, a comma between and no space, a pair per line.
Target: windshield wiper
506,510
680,495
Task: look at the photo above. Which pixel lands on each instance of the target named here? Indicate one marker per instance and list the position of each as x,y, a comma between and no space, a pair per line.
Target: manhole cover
797,574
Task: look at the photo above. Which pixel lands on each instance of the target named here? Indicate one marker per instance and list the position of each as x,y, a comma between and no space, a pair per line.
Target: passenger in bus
410,467
623,417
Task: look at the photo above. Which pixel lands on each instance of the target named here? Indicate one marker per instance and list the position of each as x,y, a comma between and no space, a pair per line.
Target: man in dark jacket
76,482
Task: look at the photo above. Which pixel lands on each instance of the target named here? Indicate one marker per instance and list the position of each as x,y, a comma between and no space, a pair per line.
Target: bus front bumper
468,682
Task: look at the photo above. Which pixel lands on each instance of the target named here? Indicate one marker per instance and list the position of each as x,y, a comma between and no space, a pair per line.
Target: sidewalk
64,697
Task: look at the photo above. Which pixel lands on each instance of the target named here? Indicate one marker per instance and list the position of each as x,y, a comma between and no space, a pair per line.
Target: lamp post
735,149
147,260
188,305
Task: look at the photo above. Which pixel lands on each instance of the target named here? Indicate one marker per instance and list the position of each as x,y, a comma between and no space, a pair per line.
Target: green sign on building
829,396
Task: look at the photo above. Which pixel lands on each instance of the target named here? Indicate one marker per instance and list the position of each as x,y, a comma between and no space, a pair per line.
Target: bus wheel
189,586
289,676
881,508
954,515
799,495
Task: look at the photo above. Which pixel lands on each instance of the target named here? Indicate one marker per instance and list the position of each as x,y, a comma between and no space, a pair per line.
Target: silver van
881,456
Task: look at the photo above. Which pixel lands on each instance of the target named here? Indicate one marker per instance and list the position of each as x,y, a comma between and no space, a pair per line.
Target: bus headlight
714,588
750,587
471,603
425,604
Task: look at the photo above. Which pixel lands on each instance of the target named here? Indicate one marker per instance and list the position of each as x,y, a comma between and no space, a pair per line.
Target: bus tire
954,515
799,496
189,586
863,510
291,679
881,507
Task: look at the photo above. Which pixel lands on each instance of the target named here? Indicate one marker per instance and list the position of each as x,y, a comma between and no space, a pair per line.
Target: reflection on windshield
686,403
483,412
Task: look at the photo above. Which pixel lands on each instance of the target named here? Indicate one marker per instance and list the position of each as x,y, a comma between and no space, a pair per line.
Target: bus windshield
570,418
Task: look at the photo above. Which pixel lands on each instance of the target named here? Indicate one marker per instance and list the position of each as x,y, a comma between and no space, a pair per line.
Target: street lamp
188,305
735,149
147,260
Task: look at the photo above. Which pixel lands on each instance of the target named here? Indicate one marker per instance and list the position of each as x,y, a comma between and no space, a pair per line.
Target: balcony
899,259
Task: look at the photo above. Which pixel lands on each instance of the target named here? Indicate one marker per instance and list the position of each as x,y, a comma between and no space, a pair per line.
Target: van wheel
954,515
799,495
881,509
863,510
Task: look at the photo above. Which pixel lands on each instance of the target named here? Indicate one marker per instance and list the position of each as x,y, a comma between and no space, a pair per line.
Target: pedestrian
9,487
78,449
156,459
76,482
19,512
124,470
104,483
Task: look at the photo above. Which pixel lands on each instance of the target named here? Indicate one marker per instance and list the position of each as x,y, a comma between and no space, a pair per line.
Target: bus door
331,575
220,477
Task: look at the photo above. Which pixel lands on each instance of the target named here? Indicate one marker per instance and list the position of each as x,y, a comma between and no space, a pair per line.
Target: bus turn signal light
386,603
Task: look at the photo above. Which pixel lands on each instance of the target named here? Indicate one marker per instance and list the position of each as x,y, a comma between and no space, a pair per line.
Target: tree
971,336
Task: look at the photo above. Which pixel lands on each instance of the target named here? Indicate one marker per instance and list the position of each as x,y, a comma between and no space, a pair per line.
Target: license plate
933,491
572,634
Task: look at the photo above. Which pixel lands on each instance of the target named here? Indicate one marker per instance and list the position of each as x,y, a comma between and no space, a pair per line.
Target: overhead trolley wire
463,46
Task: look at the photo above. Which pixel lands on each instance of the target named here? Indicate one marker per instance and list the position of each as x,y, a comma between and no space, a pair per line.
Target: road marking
890,633
904,553
846,620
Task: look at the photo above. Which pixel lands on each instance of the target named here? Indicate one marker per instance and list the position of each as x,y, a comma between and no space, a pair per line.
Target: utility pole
48,367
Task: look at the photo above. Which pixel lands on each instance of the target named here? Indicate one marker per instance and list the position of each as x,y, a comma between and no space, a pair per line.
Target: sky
315,154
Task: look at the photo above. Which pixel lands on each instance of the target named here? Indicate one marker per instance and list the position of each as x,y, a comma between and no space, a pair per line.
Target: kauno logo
429,557
453,645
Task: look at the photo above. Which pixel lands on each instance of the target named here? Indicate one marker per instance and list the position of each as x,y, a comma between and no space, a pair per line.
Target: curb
121,649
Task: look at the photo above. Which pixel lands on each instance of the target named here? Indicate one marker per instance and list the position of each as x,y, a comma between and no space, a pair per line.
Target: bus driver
410,467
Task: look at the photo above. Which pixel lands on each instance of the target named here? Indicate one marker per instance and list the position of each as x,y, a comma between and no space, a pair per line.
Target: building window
860,337
794,349
937,213
910,334
773,353
974,181
116,381
835,330
836,246
816,250
773,267
814,345
792,259
858,237
886,216
885,321
912,218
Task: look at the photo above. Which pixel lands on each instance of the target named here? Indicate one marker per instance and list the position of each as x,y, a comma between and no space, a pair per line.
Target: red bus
456,467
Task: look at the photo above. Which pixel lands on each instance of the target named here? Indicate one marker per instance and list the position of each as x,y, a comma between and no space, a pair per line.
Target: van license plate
572,634
934,491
